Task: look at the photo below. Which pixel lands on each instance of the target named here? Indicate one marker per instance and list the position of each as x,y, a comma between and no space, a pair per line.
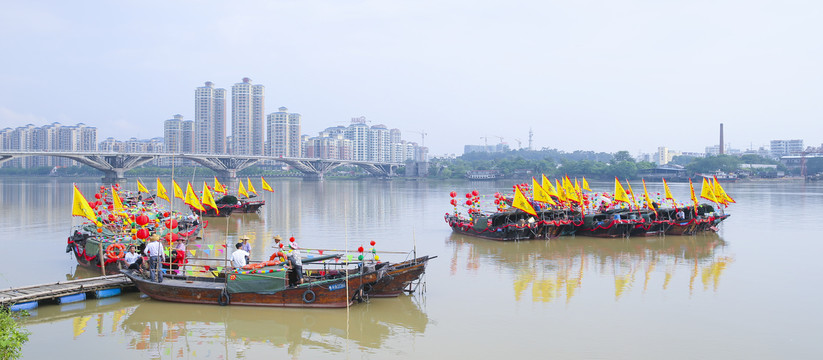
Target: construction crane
485,140
422,137
518,143
499,137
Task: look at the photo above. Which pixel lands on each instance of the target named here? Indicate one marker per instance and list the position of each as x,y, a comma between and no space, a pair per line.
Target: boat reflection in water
153,329
555,269
252,331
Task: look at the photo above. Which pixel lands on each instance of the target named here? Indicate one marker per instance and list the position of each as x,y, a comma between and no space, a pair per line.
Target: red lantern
171,237
291,239
372,243
360,249
475,193
111,217
111,207
171,224
166,214
453,202
142,233
142,220
468,195
468,202
98,196
99,212
281,245
496,201
497,194
453,194
100,230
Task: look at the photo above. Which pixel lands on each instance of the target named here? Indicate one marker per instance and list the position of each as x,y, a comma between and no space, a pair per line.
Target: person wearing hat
277,244
154,250
246,247
295,264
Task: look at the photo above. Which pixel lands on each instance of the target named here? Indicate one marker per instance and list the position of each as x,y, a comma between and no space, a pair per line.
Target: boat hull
211,292
398,277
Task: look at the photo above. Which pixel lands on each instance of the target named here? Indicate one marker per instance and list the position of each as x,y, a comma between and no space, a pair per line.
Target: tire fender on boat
309,296
224,298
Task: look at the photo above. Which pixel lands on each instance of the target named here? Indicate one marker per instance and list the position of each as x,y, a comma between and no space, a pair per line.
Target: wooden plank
47,291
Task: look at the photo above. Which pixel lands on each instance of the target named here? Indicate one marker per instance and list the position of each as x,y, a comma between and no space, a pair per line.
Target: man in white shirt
295,264
238,257
133,260
154,250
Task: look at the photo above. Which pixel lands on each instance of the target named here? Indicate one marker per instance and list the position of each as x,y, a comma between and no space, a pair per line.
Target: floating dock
28,297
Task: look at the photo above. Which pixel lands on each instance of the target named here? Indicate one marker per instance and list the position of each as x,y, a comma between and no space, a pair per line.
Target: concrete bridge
114,165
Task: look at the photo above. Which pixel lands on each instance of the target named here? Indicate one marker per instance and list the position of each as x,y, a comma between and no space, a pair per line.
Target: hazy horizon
593,75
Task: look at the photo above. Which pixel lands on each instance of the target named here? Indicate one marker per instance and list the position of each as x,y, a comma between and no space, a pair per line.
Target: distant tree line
600,166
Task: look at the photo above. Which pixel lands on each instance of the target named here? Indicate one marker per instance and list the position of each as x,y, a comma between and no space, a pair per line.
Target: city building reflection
556,269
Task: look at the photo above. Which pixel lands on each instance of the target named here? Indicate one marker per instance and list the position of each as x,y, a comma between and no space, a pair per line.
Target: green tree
621,156
709,164
12,336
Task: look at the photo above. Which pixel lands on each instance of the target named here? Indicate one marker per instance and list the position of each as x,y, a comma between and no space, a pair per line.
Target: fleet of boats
117,219
564,208
333,280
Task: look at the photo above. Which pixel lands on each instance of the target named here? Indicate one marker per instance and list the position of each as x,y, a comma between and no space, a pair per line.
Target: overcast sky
602,75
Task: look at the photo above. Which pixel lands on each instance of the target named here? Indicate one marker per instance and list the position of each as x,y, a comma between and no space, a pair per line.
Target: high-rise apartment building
284,134
247,118
209,120
52,137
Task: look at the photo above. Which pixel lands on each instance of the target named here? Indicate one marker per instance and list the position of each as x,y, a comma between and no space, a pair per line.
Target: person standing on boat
295,264
246,247
156,256
239,256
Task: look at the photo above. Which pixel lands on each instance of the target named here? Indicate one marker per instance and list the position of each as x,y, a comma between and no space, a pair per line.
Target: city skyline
630,76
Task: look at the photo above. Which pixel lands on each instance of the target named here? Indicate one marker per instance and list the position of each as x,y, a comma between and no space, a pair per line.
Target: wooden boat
249,206
394,278
610,224
705,220
263,286
223,210
516,225
90,248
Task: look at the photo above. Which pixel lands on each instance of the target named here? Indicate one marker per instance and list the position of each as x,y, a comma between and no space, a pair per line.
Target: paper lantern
468,202
98,196
360,249
468,195
171,237
475,193
377,257
453,202
142,233
372,243
166,214
453,194
142,220
360,257
171,224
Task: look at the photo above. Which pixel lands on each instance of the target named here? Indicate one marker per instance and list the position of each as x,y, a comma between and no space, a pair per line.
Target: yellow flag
218,187
521,203
178,193
694,198
192,200
668,192
719,192
540,194
117,204
265,185
561,194
569,191
251,187
242,189
208,199
646,197
586,185
634,199
548,187
80,207
141,188
707,191
619,193
161,191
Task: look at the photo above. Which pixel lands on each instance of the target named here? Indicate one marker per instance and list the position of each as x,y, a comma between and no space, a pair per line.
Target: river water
750,291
